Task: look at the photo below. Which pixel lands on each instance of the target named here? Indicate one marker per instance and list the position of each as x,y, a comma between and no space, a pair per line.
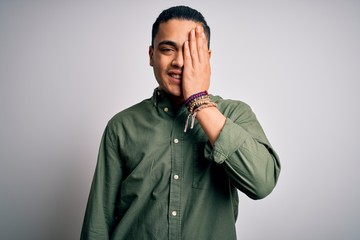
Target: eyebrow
167,42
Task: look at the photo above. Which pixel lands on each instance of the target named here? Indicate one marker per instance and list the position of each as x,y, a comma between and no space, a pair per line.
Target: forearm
247,157
211,121
253,168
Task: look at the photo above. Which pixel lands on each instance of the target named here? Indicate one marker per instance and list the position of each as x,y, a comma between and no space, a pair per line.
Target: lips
175,74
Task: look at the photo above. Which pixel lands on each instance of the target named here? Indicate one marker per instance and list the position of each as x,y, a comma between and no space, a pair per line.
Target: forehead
175,30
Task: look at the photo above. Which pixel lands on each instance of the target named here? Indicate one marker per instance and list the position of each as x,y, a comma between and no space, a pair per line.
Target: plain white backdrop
66,67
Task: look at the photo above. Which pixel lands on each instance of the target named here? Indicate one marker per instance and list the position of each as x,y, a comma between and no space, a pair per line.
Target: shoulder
236,110
230,104
133,112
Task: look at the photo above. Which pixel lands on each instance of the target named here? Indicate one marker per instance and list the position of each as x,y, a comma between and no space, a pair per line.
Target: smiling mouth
176,76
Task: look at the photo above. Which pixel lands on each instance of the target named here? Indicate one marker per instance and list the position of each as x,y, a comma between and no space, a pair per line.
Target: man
170,166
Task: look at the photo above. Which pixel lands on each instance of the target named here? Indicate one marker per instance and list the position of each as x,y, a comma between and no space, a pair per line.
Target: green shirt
155,181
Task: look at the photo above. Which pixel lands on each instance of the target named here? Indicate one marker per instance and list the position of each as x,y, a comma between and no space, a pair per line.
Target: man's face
166,55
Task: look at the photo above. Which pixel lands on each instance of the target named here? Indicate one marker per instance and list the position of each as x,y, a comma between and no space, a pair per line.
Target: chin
174,91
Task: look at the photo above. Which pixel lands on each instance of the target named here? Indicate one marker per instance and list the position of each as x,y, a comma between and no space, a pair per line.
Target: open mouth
176,76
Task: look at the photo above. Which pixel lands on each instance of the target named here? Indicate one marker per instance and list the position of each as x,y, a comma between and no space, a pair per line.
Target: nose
178,60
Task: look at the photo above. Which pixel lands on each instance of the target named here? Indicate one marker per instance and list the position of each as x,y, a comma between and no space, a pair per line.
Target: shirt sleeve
100,219
245,153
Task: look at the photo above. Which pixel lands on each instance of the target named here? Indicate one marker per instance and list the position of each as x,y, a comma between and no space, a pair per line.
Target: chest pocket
202,168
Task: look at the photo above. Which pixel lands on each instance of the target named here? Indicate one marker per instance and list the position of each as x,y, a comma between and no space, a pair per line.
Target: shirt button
166,109
176,140
176,177
174,213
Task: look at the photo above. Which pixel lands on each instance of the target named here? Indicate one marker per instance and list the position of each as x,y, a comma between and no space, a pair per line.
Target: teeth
178,76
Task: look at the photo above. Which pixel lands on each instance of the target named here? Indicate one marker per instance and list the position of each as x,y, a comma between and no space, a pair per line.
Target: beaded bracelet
210,104
194,104
193,114
198,102
194,96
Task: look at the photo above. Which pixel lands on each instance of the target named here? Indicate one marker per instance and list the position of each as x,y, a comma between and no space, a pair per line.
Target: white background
66,67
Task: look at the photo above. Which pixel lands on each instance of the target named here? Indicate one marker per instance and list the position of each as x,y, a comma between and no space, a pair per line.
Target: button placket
177,155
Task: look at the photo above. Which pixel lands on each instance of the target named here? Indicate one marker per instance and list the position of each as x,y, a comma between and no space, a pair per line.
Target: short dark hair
180,13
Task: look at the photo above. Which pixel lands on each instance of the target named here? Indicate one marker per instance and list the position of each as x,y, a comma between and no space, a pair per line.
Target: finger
187,55
201,44
193,48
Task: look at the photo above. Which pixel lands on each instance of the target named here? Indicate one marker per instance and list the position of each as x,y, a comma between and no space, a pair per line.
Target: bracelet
198,102
195,111
210,104
196,95
194,104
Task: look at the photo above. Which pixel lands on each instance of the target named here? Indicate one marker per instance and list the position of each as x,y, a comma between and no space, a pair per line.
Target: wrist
195,103
195,96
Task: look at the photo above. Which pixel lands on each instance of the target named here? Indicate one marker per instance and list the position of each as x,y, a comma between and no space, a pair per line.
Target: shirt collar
160,100
157,96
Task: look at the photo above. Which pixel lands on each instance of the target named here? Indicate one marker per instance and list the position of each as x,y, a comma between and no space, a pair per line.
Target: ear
210,53
151,54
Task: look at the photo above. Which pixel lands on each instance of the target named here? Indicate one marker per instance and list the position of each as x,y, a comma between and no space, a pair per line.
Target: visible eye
166,50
